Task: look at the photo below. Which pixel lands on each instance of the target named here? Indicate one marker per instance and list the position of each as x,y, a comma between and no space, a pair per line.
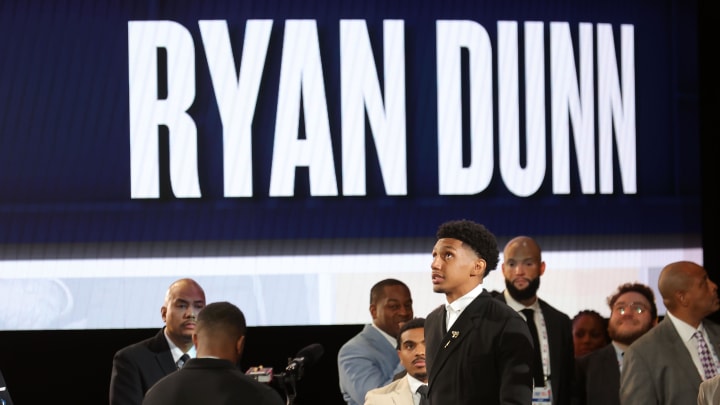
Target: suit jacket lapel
713,331
401,394
457,333
679,352
163,356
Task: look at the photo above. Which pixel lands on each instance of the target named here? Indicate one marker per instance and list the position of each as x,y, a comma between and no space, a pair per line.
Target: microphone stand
289,385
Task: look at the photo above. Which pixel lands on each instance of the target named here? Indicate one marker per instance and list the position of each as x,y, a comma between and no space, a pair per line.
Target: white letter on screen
581,108
618,107
360,90
236,97
147,112
301,78
452,38
521,181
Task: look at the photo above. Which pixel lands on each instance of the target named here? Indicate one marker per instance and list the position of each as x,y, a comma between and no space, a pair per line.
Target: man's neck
621,346
182,345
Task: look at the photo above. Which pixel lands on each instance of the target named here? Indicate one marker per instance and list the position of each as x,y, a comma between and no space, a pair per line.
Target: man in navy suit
138,366
522,267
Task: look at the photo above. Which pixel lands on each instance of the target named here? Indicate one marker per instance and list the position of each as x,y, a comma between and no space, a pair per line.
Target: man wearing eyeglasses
632,313
667,364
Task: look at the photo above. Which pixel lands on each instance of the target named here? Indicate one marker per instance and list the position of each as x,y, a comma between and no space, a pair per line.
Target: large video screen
288,154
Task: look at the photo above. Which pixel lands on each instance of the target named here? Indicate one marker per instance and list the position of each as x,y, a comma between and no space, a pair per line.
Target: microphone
306,357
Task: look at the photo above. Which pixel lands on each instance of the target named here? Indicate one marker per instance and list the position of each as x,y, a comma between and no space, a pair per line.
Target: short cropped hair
411,324
475,235
222,316
377,292
592,313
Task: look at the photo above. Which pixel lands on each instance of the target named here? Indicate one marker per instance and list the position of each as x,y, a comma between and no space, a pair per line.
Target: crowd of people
512,347
480,346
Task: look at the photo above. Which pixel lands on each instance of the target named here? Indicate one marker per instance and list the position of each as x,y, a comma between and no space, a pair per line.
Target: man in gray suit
663,366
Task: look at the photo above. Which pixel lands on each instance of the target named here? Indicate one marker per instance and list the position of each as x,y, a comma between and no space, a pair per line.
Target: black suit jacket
597,378
211,381
484,358
562,351
137,367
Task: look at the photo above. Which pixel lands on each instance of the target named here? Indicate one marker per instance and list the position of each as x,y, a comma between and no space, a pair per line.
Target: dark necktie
537,367
422,390
183,359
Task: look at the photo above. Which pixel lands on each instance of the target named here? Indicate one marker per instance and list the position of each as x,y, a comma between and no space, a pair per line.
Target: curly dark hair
475,235
640,288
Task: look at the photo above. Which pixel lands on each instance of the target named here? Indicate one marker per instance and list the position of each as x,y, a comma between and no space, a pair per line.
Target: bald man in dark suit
522,267
138,366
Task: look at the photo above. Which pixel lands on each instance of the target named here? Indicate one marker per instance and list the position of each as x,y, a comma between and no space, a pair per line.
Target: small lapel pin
455,334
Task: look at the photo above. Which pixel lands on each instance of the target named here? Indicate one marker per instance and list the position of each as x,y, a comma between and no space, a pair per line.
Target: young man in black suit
138,366
553,369
213,377
478,350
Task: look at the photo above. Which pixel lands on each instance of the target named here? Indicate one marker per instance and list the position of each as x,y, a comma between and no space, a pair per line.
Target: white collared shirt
414,383
454,309
392,340
619,354
176,351
539,320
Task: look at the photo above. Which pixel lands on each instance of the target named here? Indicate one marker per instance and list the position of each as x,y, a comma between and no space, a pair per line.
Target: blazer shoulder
605,352
711,325
549,310
661,335
497,294
400,386
153,344
369,337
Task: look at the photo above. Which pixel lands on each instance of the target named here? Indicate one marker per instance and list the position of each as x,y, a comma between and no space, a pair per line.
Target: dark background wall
74,366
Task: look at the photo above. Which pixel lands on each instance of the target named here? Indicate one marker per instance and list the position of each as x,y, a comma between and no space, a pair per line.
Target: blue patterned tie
706,359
